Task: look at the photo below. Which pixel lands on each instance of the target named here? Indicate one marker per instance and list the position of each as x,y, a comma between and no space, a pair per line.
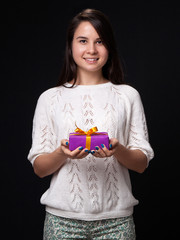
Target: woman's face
89,52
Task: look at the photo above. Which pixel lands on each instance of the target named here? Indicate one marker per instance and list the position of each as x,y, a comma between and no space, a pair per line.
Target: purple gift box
88,141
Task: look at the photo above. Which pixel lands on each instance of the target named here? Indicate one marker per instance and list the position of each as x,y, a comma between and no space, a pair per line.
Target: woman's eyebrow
81,37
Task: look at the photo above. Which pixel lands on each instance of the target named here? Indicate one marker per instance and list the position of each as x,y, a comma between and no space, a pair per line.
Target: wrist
121,151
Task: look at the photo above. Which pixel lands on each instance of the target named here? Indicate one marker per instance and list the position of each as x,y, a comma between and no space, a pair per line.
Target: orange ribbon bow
88,135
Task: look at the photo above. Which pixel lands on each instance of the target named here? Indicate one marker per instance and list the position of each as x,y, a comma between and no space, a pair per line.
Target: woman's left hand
104,152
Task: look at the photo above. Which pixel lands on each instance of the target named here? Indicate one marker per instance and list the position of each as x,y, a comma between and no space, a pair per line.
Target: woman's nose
91,48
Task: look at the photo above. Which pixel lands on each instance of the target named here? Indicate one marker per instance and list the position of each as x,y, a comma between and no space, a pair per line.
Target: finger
82,154
113,142
65,142
92,152
106,151
79,153
75,152
96,154
66,151
100,152
70,153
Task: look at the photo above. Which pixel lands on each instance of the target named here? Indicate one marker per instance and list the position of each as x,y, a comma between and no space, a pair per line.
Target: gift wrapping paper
88,140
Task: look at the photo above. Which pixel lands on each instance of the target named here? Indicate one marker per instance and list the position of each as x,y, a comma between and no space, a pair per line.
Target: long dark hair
112,70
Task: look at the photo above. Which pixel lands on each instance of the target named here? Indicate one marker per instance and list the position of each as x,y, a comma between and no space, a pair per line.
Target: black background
32,48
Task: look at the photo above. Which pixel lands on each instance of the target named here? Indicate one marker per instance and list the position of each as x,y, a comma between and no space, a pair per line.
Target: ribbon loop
89,132
88,135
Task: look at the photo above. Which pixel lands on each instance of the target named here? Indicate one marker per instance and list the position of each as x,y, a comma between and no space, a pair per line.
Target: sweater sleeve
43,133
138,133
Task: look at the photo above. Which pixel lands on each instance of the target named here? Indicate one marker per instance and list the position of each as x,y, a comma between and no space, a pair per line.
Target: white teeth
91,59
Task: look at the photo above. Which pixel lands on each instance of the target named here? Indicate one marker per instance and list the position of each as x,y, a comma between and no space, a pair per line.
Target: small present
90,139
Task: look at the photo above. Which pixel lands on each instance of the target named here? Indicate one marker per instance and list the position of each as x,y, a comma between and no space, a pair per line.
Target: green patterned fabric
63,228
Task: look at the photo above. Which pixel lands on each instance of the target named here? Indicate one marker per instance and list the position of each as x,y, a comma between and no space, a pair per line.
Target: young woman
90,193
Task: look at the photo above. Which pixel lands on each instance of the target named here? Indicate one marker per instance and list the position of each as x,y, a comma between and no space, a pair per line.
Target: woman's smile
91,60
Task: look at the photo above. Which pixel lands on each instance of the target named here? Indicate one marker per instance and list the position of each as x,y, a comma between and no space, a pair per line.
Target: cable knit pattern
111,182
75,186
88,122
90,188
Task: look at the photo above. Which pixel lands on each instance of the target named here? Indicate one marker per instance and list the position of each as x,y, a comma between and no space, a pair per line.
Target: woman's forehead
85,29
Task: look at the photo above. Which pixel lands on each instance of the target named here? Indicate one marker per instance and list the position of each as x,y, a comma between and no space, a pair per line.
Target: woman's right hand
78,153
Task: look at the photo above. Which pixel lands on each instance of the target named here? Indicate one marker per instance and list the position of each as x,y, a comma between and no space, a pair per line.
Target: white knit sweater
91,188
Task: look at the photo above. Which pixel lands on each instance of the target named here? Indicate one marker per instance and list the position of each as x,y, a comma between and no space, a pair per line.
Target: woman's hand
104,152
78,153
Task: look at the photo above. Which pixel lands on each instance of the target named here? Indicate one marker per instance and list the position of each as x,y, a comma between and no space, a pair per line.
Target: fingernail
67,143
87,151
97,148
81,148
110,146
102,145
92,152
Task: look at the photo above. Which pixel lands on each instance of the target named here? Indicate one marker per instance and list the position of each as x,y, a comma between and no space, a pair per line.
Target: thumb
113,142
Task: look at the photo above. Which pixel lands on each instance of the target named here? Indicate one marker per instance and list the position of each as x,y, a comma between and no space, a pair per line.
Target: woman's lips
91,60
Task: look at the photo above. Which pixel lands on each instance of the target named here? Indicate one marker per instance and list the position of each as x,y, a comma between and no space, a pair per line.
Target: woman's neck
90,78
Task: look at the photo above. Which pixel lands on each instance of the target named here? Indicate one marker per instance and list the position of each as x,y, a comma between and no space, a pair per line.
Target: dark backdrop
32,48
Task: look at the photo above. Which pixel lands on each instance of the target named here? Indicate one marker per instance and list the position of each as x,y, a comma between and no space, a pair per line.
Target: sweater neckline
88,87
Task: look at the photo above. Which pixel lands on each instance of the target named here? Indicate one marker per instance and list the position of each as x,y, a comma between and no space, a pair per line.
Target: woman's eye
99,42
83,41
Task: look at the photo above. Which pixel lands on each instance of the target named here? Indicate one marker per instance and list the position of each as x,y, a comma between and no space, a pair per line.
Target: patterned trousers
63,228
